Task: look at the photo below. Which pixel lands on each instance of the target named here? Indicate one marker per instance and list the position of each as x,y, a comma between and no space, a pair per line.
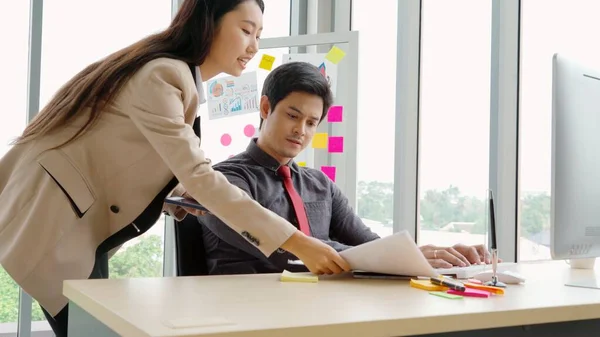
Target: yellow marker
319,141
302,163
286,276
335,55
426,285
266,62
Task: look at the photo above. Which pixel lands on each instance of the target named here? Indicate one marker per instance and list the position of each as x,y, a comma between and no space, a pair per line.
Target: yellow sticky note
319,141
286,276
335,55
426,285
266,62
302,163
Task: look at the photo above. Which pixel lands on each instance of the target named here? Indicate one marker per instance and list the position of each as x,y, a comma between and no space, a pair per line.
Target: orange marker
491,289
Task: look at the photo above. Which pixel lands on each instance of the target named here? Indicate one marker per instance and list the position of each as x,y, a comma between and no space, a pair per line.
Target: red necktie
284,171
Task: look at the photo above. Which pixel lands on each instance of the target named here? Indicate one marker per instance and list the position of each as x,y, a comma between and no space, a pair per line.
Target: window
72,42
14,33
226,137
377,26
454,121
276,19
541,37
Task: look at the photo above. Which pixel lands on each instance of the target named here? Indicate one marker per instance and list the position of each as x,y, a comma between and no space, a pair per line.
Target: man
295,99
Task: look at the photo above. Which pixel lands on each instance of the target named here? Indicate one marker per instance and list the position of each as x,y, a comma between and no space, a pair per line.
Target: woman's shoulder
165,65
166,69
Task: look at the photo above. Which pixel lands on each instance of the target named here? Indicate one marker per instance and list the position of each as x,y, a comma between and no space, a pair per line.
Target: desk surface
261,305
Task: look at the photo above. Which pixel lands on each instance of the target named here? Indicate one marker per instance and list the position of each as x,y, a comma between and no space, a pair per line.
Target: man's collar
265,160
199,86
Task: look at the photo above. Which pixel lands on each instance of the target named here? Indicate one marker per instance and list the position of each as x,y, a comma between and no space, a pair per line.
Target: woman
92,170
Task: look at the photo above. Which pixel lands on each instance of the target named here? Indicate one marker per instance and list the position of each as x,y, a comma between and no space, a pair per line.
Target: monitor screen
575,191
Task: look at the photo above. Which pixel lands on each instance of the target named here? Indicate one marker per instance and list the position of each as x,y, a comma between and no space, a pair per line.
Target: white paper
318,60
232,96
395,254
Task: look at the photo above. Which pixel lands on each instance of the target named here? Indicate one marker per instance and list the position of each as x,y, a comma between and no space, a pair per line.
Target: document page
395,254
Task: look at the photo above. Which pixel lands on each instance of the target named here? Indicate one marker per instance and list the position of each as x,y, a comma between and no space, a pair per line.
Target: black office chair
189,247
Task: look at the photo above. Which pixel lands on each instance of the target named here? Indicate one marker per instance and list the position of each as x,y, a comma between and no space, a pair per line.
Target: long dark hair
188,38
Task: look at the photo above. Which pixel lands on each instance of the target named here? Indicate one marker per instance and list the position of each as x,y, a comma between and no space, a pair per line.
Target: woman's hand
318,257
193,211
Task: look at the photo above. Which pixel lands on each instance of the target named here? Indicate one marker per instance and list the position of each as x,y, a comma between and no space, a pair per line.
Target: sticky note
426,285
302,163
286,276
336,144
329,171
470,292
319,141
334,114
249,130
335,55
266,62
225,139
445,295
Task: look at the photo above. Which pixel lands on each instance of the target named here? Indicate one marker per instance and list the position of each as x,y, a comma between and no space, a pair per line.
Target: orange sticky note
266,62
319,141
426,285
335,55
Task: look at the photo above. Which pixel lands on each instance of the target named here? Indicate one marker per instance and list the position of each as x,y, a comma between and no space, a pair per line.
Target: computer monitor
575,191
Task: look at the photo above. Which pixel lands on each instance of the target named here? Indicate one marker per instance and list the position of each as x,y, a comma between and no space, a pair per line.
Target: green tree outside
143,259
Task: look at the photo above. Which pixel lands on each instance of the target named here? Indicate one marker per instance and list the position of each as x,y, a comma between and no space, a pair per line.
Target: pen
458,286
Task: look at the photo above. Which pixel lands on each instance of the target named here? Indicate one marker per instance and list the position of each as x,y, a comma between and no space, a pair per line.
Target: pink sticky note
336,144
225,139
329,171
249,130
470,292
334,115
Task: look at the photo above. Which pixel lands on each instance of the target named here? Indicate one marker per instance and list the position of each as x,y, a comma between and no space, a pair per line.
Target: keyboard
470,271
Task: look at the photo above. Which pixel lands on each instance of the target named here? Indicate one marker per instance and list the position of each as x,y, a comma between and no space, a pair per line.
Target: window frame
504,113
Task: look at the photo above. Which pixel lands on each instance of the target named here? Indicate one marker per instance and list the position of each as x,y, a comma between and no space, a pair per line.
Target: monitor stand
591,281
592,284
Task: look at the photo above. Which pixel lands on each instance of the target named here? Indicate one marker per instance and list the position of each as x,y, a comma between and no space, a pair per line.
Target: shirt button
114,209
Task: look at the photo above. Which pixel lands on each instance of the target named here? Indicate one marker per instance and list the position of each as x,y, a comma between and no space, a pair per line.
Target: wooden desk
261,305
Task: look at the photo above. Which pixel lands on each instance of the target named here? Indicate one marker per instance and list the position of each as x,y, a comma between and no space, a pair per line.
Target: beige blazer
57,206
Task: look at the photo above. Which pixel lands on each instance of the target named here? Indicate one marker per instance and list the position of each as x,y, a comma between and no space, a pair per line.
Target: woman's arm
157,94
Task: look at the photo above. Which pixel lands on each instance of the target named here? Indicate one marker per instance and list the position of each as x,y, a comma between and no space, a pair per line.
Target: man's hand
443,257
318,257
475,254
458,255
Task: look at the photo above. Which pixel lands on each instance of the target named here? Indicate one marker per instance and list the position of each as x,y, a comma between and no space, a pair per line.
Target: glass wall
454,120
541,37
226,137
376,111
14,34
69,43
